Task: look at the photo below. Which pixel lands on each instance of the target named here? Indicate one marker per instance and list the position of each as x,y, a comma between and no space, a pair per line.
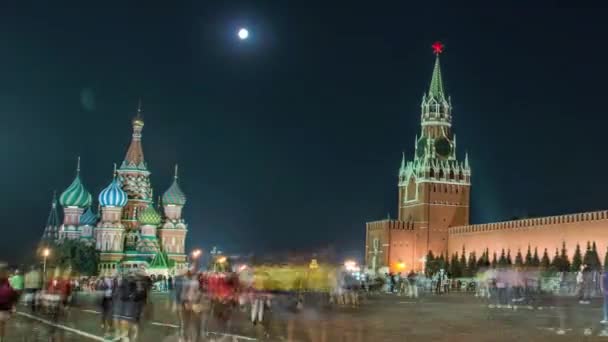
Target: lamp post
194,258
45,254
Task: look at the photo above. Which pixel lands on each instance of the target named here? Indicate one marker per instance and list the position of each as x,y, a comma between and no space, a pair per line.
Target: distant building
128,231
434,196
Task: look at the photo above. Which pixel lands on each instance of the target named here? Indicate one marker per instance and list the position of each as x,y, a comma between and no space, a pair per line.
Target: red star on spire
437,47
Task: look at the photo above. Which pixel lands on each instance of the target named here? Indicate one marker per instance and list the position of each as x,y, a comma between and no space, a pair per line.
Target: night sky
292,139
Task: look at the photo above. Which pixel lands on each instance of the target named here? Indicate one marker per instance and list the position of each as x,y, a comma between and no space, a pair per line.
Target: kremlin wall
434,199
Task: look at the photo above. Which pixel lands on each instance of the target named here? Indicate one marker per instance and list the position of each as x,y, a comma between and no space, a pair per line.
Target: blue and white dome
88,218
113,195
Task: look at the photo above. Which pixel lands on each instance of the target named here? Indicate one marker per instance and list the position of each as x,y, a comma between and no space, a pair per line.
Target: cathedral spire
52,222
135,154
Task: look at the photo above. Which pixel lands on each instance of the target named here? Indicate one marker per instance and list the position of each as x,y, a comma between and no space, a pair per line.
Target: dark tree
472,267
556,262
595,258
587,258
565,262
519,259
577,259
455,269
503,259
430,264
509,260
463,264
494,262
535,258
606,261
528,261
545,263
78,255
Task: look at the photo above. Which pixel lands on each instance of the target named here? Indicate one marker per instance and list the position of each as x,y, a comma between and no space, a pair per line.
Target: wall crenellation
531,222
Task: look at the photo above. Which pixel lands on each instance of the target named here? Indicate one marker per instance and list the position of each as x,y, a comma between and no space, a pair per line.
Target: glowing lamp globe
243,34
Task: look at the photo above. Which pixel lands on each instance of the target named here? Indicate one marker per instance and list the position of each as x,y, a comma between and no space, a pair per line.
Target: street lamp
45,253
195,254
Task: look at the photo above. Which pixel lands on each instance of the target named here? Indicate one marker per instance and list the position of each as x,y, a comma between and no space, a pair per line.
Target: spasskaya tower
434,189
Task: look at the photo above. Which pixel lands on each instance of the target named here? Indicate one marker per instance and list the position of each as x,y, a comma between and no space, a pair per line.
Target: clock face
443,147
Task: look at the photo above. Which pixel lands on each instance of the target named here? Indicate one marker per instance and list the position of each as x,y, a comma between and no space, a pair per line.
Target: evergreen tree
509,260
494,263
588,257
481,262
455,266
556,262
503,259
472,264
441,262
577,259
519,259
535,259
595,258
545,263
565,263
606,261
463,264
528,261
430,264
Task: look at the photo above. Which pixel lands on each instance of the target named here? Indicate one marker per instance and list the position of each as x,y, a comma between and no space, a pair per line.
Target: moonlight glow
243,34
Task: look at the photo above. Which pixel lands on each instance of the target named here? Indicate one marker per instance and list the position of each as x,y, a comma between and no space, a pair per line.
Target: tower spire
436,88
135,154
175,175
52,222
78,167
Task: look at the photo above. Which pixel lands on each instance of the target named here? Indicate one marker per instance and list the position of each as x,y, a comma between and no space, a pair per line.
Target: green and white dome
149,217
174,195
75,195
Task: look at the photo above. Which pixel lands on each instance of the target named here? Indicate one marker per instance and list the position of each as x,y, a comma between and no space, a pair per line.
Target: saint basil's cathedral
129,231
434,199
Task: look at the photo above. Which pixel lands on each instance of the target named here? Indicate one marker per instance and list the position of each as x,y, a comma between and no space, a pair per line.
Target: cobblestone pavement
453,317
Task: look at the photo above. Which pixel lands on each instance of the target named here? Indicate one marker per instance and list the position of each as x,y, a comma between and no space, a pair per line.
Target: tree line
459,265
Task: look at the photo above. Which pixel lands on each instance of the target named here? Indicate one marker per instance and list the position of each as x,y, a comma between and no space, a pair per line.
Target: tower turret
110,230
51,229
134,177
73,200
173,232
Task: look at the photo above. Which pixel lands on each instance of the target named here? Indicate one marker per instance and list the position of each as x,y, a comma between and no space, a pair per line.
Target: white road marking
75,331
165,324
91,311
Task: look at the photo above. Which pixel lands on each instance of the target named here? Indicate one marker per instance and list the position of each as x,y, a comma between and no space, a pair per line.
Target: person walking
412,285
587,284
8,299
33,284
105,285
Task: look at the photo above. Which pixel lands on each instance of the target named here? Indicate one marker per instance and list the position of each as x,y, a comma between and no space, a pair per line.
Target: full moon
243,34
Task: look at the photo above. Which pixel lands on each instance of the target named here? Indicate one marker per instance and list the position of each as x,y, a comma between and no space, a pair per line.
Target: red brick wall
542,232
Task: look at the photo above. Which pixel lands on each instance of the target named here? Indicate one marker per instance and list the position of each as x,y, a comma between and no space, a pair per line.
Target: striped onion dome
113,195
174,194
75,195
149,216
88,218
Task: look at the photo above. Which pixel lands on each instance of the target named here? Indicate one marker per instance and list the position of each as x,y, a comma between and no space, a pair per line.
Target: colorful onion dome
174,194
88,218
75,195
113,195
149,216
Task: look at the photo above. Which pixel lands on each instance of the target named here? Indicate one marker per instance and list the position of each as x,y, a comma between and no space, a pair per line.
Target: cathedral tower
434,187
134,176
174,229
110,231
